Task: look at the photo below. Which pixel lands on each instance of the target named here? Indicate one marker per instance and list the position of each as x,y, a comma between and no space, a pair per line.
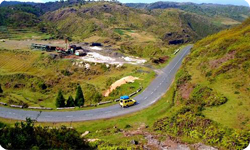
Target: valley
66,67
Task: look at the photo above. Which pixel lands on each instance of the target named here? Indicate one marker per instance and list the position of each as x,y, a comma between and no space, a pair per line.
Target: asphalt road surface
150,95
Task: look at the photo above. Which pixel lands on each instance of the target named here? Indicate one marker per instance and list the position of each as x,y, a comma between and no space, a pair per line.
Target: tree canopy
1,90
60,100
70,102
79,100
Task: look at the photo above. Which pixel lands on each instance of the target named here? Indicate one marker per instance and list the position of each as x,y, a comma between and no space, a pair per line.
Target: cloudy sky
233,2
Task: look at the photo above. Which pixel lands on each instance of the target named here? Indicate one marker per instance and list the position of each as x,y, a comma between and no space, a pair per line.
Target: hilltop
221,14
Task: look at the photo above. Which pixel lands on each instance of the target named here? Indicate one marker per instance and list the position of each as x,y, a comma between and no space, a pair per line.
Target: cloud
248,1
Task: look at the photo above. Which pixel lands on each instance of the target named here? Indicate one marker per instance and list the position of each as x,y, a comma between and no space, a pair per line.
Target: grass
105,131
232,82
234,109
22,34
22,72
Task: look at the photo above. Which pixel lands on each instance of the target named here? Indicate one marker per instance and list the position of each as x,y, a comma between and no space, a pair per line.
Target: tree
60,100
70,102
1,90
79,100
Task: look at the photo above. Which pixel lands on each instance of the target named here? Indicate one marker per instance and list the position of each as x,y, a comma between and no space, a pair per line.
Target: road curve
150,95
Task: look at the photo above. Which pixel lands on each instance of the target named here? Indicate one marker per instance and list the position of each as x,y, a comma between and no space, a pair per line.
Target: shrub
183,77
79,100
60,100
26,135
203,95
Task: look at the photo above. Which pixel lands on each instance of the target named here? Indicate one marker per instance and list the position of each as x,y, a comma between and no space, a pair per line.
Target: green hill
212,91
111,20
225,14
19,16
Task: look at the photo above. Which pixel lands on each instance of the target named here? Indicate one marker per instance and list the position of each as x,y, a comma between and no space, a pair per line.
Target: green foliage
1,90
203,95
182,77
144,50
70,102
186,122
19,16
26,135
216,71
60,100
79,100
119,31
66,73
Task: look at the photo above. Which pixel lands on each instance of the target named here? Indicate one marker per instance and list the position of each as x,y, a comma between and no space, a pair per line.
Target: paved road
150,95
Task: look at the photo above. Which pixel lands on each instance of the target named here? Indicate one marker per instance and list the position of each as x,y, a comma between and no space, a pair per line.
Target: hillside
211,92
222,14
112,20
116,24
19,16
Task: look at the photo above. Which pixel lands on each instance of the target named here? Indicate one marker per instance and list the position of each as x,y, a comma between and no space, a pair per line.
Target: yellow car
127,102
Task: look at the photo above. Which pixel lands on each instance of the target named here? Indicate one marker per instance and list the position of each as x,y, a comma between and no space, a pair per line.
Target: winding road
150,95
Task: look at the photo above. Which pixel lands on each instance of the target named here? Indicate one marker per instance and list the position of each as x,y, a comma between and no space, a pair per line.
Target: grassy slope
212,92
23,74
108,135
215,111
229,77
82,21
172,104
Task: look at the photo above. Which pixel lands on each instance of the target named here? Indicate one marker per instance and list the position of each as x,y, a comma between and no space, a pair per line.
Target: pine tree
1,90
79,100
60,100
70,102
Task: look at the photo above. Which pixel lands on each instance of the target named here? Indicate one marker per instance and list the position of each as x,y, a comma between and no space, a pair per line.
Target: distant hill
18,16
237,13
12,3
103,18
164,22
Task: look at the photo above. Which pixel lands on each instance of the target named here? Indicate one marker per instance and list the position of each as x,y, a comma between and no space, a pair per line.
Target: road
150,95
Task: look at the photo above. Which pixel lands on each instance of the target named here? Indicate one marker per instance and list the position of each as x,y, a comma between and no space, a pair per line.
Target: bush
203,95
26,135
66,73
183,77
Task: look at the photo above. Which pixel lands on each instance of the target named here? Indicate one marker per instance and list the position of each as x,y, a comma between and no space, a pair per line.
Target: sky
233,2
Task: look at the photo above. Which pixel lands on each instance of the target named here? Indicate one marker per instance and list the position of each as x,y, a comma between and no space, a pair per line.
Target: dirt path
120,82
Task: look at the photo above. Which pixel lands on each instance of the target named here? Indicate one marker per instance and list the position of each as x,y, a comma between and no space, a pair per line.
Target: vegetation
25,135
70,102
201,106
1,90
34,78
205,92
79,100
207,103
60,100
237,13
104,22
19,16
